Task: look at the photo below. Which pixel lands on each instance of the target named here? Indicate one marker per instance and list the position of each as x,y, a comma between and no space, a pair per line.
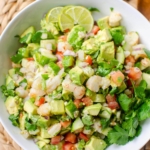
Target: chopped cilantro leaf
93,9
111,8
118,136
16,58
14,119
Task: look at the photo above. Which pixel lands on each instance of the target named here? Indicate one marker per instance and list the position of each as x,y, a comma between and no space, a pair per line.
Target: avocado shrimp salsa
73,89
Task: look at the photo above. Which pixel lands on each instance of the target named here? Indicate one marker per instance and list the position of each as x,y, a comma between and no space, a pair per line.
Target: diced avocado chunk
90,94
88,71
54,129
49,26
32,48
48,44
95,144
118,34
43,60
95,97
22,120
67,95
103,23
57,107
90,46
12,72
12,104
29,107
70,109
26,36
77,75
68,61
106,130
44,133
47,54
28,30
41,144
10,83
120,55
77,125
103,36
146,77
87,120
106,112
92,109
24,52
107,52
53,121
99,98
74,38
55,68
42,122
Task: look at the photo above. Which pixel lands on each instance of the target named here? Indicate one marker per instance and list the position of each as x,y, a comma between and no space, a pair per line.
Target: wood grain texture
144,7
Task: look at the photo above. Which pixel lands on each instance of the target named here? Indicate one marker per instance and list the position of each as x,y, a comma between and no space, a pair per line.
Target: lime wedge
81,16
52,15
64,20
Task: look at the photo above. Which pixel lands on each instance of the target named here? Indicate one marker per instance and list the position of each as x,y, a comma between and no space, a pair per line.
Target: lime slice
52,15
65,21
81,16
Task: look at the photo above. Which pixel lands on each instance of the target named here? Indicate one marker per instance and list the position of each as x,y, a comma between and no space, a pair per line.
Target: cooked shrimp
63,46
44,110
21,92
53,83
93,83
34,93
78,91
37,83
114,19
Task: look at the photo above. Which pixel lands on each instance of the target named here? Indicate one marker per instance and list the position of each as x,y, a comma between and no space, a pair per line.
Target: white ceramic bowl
32,15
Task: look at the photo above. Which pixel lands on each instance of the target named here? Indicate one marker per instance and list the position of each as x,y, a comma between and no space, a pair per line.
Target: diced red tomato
130,59
55,140
63,37
59,63
77,102
134,73
113,105
67,30
83,136
87,101
88,59
65,124
117,77
30,59
110,98
95,29
59,55
68,146
40,101
129,83
71,137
